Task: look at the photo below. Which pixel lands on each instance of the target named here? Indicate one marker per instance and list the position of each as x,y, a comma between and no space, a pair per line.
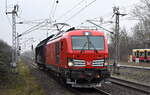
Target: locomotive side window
137,55
149,53
145,54
57,52
134,53
141,53
88,43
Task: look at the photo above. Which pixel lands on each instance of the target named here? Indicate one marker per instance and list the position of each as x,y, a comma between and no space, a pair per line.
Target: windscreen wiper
83,47
92,44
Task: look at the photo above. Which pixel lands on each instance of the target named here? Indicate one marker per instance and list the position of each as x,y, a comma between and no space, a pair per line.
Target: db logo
88,63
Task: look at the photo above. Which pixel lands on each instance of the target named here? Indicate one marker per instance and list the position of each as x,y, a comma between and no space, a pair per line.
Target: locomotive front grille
98,63
83,63
79,63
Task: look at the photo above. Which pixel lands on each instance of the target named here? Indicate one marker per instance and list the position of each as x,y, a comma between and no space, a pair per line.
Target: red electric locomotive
77,56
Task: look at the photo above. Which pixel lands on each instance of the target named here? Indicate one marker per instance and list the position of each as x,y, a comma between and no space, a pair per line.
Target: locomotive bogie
86,78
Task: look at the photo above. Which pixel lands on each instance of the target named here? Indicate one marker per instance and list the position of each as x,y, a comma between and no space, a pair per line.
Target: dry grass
25,83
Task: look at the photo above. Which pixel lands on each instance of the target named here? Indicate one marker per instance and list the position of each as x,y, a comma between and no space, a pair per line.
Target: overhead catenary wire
67,12
51,11
9,21
100,27
34,27
29,31
80,11
33,21
56,3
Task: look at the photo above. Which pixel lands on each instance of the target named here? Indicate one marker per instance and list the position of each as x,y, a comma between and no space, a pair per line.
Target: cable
9,21
29,31
100,27
35,29
55,8
80,11
35,21
52,8
5,6
70,10
32,28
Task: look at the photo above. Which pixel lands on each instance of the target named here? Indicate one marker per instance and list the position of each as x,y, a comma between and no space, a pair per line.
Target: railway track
102,91
132,85
136,67
36,68
117,81
75,91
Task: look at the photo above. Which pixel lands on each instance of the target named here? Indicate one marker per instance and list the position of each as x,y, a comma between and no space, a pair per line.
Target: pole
14,38
18,50
117,34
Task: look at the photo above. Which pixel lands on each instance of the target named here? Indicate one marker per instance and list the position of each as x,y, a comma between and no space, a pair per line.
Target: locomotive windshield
88,43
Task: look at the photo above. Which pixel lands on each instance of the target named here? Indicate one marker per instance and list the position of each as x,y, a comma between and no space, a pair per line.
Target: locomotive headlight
70,64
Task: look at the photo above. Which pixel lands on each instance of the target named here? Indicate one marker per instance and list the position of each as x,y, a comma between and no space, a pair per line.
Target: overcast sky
41,9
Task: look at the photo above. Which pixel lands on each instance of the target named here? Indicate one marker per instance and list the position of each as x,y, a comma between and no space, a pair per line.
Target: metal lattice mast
14,44
116,11
18,49
117,34
14,35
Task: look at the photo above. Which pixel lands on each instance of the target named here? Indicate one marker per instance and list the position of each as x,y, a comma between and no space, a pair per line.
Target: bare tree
141,31
124,45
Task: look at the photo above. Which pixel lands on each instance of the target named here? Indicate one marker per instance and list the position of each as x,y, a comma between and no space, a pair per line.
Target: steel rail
136,67
132,85
102,91
76,92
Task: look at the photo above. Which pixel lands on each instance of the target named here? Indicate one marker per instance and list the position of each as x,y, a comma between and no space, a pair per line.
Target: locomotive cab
86,59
